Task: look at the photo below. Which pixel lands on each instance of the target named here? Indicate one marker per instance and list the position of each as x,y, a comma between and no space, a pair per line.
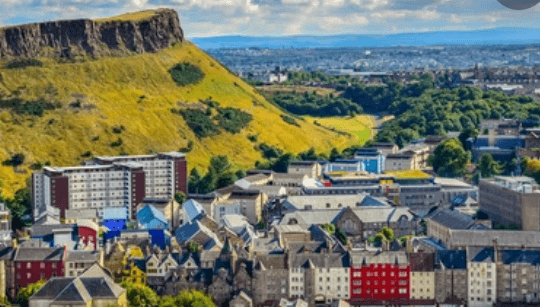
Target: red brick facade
87,235
180,176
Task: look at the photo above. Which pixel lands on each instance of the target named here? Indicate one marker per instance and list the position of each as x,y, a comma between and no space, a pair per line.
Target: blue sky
290,17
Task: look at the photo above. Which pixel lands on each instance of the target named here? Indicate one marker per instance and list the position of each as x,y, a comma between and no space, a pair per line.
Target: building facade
122,181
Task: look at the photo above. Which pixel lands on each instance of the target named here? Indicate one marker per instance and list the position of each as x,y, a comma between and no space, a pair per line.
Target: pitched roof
192,210
245,194
39,254
520,256
46,230
151,218
422,262
78,255
272,261
74,292
452,259
452,219
81,213
507,239
389,257
481,254
51,289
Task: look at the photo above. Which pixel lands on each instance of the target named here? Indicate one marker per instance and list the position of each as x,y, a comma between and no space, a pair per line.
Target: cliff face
158,31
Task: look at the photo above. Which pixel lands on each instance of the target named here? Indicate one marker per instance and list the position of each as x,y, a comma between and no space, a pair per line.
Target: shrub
269,152
186,73
117,143
253,138
289,120
118,129
15,160
199,123
22,63
233,120
87,154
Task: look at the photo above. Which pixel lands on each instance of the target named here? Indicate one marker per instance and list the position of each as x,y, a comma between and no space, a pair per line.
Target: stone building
451,277
482,271
270,278
517,276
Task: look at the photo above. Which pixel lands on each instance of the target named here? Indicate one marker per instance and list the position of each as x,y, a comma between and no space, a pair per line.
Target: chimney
496,250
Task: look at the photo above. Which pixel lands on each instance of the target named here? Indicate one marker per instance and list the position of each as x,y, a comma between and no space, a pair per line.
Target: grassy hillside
137,92
360,127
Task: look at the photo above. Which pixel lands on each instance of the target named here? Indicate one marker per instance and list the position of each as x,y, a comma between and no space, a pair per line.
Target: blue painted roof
484,254
115,213
453,259
151,218
193,210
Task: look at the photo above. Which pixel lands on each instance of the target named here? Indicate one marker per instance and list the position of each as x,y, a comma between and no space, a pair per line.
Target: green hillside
122,105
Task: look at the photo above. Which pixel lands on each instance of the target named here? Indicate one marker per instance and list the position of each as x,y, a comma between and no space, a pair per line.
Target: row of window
382,291
376,282
41,265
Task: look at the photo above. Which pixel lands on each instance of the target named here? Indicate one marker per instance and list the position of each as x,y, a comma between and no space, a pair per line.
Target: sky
204,18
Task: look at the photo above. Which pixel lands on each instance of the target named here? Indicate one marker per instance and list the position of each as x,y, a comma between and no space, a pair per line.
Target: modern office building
122,181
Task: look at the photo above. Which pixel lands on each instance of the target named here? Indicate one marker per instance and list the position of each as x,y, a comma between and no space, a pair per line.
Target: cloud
288,17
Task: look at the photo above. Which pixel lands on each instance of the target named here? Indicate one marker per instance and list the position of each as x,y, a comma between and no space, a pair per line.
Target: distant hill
481,37
61,111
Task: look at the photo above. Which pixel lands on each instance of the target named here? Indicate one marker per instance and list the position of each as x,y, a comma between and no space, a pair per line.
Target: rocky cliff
148,31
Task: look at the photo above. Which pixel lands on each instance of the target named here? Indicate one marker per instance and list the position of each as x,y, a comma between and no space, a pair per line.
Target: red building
379,277
33,264
88,232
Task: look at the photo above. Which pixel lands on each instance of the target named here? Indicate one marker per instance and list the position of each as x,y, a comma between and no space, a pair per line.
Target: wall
36,271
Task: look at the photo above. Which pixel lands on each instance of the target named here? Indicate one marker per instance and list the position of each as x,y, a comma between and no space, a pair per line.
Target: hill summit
147,31
138,87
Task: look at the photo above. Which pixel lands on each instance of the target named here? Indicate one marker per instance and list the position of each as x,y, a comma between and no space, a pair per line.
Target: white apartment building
296,282
332,283
109,182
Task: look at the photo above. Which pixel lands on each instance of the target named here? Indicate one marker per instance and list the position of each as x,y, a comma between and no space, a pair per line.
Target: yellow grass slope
114,86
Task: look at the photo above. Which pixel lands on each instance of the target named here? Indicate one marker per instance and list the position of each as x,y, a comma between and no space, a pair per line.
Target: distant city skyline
204,18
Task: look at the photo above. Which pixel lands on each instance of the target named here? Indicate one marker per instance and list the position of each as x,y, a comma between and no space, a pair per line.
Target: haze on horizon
202,18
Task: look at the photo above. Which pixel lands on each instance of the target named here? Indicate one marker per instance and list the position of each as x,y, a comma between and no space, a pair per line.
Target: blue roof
484,254
151,218
187,231
115,213
193,210
520,256
453,259
459,200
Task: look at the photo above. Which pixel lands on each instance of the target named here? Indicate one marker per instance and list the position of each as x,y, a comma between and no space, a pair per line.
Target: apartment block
122,181
511,201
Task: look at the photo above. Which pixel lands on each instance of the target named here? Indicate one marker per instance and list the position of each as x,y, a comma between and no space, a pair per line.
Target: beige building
310,168
482,280
291,233
241,300
319,277
511,201
386,148
441,222
422,276
76,262
400,162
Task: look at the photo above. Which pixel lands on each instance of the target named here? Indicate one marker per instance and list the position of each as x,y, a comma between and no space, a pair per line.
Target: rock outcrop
159,30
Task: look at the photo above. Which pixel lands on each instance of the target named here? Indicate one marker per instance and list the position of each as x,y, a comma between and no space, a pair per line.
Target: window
42,265
54,265
28,265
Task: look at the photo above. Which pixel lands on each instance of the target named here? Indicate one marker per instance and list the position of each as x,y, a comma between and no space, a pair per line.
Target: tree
450,159
194,181
26,292
386,233
193,247
282,163
193,298
15,160
335,154
470,132
533,166
140,295
488,166
180,197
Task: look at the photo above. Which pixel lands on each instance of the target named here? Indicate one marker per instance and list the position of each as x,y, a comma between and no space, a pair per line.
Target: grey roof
74,292
389,257
452,219
255,178
367,215
39,254
90,213
319,260
79,289
507,239
272,261
45,230
82,256
333,201
486,254
51,289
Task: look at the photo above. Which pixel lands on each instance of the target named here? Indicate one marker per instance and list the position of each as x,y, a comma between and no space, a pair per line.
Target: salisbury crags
147,31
